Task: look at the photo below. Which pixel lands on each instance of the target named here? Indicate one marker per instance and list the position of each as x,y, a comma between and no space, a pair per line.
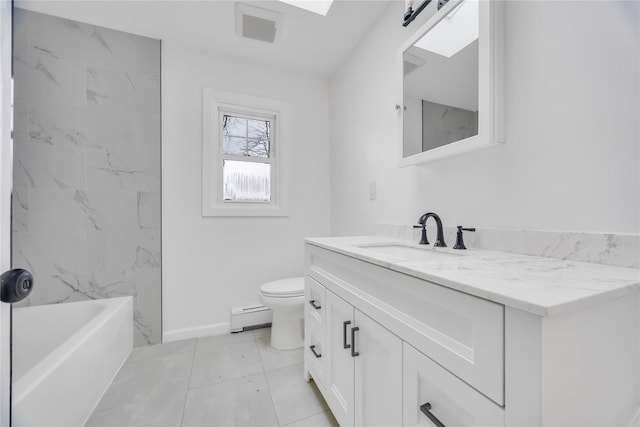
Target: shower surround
86,199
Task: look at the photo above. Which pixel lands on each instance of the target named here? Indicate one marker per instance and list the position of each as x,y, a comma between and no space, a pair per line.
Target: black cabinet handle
344,334
313,304
313,350
354,353
426,409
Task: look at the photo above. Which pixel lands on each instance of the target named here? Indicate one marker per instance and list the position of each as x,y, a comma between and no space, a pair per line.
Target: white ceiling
309,42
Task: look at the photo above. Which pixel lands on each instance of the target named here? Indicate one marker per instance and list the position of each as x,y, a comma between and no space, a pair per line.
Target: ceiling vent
258,24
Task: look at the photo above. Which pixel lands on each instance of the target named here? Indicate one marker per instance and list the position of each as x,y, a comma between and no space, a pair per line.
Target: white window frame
213,103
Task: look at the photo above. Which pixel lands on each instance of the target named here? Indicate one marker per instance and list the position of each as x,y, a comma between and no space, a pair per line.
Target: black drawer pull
354,353
313,350
426,409
313,304
344,334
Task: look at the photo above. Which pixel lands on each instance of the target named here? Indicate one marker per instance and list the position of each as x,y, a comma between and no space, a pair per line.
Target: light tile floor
226,380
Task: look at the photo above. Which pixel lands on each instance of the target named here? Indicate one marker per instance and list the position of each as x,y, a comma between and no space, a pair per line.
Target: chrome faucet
422,222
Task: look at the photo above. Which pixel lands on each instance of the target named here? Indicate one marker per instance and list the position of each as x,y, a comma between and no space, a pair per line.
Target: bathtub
64,358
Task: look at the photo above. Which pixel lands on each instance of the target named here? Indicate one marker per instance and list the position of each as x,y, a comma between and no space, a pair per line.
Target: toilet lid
293,286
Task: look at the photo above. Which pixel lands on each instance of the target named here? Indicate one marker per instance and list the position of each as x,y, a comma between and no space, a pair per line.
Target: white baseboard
195,332
251,316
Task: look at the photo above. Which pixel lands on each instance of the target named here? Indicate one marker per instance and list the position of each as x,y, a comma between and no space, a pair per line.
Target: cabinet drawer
461,332
315,355
314,303
451,401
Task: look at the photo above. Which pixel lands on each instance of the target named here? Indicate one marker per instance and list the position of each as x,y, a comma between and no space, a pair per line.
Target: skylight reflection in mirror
455,32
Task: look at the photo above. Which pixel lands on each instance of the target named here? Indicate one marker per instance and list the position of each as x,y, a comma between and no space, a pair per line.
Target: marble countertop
542,286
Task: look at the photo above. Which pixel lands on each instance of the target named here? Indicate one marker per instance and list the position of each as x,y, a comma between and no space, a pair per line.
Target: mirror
451,83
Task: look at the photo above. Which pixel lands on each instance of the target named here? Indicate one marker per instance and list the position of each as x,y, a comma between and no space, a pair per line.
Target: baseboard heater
253,317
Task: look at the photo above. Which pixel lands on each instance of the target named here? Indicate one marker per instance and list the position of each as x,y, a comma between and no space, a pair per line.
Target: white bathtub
64,358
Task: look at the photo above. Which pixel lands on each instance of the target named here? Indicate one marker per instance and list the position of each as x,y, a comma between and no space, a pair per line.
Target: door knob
15,285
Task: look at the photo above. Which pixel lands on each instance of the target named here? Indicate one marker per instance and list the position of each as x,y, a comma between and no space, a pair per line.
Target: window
243,160
246,157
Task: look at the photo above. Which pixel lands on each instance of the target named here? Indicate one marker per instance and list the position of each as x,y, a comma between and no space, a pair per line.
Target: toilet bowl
285,298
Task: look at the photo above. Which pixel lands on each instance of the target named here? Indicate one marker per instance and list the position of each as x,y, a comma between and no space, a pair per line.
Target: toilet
285,298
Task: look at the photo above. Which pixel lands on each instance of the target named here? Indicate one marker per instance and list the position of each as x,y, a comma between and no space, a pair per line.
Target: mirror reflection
440,82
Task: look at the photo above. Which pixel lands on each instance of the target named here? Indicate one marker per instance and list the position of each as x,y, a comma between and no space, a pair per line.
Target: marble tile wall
443,124
621,250
86,200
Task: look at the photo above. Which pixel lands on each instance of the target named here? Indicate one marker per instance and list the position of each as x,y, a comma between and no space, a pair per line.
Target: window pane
246,181
233,125
235,145
258,148
246,137
258,129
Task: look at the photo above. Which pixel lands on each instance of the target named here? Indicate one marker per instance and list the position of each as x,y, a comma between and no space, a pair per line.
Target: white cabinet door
339,362
432,394
378,374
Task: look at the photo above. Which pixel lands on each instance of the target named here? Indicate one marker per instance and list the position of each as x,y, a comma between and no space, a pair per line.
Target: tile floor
227,380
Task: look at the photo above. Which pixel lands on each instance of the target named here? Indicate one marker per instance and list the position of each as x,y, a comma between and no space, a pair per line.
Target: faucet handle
423,235
459,240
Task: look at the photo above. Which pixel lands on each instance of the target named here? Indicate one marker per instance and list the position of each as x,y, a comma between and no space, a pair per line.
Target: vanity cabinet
475,361
360,370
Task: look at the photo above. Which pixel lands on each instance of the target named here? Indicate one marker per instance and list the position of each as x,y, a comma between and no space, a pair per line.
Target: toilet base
287,328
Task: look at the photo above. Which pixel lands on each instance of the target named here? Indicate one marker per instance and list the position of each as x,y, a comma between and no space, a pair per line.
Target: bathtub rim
39,372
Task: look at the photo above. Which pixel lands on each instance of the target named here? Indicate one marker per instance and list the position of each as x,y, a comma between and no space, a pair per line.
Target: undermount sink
409,253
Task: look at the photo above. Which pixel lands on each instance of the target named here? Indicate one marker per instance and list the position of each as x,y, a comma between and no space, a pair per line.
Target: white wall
211,264
571,161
